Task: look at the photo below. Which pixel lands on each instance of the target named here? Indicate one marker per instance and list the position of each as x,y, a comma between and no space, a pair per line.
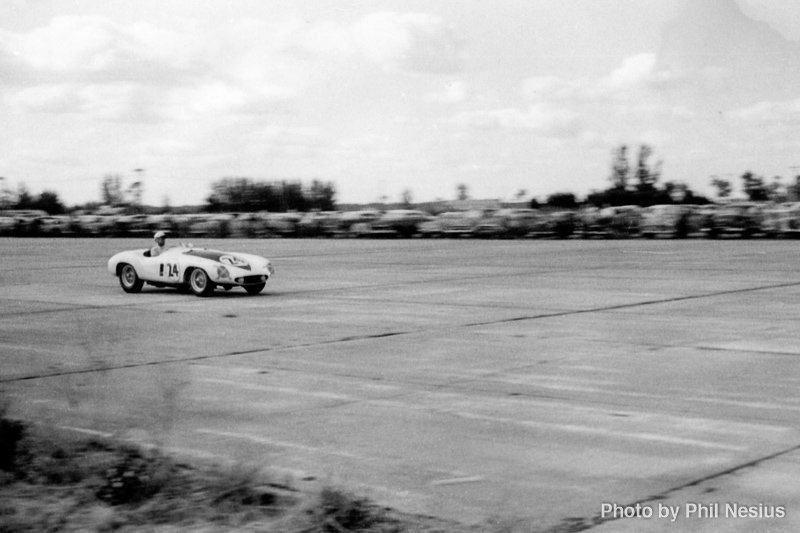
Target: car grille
251,279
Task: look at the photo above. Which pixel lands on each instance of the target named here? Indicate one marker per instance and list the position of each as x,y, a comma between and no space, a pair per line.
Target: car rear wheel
199,282
254,289
129,279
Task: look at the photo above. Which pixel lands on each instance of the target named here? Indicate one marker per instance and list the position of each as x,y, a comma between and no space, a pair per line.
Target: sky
384,97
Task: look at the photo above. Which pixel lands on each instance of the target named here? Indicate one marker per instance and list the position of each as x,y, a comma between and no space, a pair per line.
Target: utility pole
793,189
138,188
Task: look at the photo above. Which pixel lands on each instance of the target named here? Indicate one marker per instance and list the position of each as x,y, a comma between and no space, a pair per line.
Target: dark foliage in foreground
52,481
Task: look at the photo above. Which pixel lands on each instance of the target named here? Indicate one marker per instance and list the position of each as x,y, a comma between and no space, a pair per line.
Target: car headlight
270,268
222,273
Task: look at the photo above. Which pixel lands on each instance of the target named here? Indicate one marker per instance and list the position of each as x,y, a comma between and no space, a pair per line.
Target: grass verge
55,481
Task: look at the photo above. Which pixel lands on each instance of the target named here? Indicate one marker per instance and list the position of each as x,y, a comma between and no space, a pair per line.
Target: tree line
247,195
759,189
640,183
47,201
630,183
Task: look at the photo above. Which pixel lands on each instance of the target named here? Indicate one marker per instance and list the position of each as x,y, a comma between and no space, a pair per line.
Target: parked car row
734,219
218,225
737,219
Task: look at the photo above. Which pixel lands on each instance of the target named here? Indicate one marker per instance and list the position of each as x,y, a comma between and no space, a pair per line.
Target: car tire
129,280
200,283
254,289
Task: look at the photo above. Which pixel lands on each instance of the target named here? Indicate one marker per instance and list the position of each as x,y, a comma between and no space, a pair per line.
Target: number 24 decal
169,269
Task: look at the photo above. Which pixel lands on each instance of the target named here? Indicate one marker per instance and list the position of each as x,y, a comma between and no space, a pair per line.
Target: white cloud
539,118
54,98
626,103
544,88
416,42
633,79
244,66
681,112
636,74
67,43
119,101
109,101
654,137
216,98
100,69
288,137
213,97
452,93
168,147
98,49
772,112
562,108
325,38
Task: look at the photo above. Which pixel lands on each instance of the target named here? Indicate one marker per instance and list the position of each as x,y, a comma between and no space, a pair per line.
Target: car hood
242,261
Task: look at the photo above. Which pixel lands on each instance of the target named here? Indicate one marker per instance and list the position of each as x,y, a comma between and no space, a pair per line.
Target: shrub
11,434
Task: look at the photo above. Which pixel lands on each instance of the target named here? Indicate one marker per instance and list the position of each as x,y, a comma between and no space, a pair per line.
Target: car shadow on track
218,293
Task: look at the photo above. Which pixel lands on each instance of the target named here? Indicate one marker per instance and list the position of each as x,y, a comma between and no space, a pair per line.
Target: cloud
625,103
109,101
57,98
567,108
549,88
452,93
542,119
416,42
635,74
319,39
168,147
727,57
96,49
635,77
216,98
288,138
117,101
655,137
774,112
102,69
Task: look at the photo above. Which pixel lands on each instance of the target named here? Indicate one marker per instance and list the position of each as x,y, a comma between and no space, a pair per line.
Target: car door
163,268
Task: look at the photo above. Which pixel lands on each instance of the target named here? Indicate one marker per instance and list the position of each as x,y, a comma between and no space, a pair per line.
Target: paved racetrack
463,379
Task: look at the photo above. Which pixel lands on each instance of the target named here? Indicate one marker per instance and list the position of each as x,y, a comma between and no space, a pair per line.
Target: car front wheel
199,282
129,279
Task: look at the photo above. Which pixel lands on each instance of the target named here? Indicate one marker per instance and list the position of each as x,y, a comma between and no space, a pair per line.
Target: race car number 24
169,269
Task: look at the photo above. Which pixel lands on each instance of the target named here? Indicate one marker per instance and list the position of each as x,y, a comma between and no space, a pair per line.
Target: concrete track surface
470,380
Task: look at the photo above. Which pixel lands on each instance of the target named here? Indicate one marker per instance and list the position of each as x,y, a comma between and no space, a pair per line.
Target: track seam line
300,293
396,333
633,305
597,519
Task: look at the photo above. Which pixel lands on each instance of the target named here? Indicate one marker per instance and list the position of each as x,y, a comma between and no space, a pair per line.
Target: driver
160,238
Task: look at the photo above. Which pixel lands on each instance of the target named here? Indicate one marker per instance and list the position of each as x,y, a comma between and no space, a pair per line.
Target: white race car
186,267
